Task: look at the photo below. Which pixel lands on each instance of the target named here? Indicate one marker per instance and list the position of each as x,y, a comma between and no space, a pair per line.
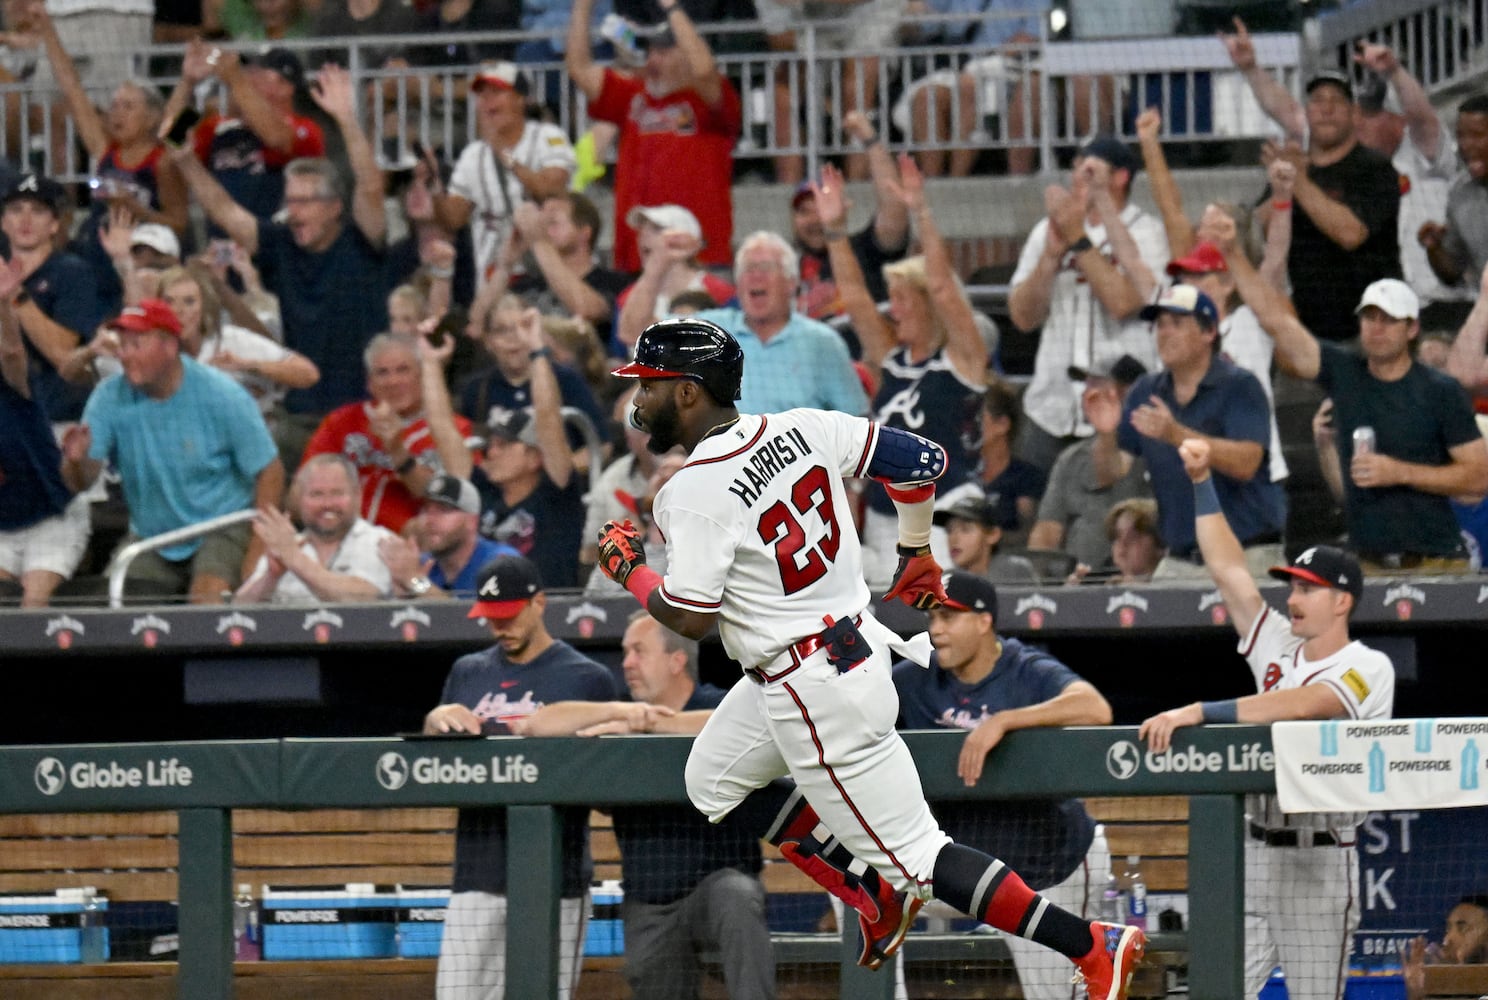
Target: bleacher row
131,857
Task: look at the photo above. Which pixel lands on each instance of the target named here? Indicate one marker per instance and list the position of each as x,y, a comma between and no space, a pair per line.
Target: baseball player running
1302,874
759,541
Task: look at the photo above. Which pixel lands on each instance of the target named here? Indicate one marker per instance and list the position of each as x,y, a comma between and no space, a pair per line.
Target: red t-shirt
673,150
347,430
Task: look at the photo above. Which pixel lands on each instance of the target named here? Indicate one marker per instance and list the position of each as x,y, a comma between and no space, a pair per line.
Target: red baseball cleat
1108,968
882,937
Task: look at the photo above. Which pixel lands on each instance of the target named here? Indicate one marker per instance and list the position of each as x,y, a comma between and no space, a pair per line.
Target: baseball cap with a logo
517,425
969,592
500,74
149,315
507,584
1184,300
42,190
452,491
1393,297
1325,566
665,217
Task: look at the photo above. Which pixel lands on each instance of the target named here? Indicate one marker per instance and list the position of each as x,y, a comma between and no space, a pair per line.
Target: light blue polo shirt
805,364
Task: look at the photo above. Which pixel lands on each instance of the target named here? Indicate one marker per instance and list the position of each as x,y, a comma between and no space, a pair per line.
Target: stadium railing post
534,876
205,890
1216,893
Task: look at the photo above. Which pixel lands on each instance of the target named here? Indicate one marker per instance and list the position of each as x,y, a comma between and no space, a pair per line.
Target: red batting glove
917,580
620,550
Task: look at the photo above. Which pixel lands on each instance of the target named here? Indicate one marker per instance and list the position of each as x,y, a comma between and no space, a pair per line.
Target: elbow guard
906,464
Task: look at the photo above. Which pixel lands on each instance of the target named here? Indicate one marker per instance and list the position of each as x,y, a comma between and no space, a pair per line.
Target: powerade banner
1340,766
1414,866
138,776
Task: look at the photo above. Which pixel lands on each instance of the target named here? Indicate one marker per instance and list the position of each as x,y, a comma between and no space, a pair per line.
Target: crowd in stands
407,375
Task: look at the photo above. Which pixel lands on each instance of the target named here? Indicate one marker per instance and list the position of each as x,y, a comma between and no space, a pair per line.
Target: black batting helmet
686,347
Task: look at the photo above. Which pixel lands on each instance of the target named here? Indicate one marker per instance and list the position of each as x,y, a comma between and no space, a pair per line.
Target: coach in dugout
690,885
491,692
990,686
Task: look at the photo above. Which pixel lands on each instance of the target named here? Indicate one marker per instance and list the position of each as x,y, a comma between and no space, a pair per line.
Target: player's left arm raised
908,466
1079,704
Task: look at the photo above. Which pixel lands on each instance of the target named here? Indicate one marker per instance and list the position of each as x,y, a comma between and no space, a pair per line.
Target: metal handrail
817,77
119,565
580,420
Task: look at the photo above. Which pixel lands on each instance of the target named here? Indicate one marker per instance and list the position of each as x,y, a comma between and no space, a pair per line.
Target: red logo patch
1035,618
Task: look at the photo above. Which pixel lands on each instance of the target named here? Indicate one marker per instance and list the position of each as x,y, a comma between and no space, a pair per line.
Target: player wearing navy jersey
1302,874
690,886
991,685
756,545
491,692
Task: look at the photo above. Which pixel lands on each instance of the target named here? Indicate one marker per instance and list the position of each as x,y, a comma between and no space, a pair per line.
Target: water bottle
1111,909
247,945
1363,440
1136,892
93,940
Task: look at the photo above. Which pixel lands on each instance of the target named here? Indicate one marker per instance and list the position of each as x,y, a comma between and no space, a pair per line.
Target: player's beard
664,427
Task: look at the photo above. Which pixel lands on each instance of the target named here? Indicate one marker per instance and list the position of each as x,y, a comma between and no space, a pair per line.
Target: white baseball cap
1392,297
665,217
157,237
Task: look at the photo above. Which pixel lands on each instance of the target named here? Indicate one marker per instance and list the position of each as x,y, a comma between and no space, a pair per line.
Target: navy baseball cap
42,190
1115,152
969,592
507,585
1325,566
284,62
1184,300
1332,78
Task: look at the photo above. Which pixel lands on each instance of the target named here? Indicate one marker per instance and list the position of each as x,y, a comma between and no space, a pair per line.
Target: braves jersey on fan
761,507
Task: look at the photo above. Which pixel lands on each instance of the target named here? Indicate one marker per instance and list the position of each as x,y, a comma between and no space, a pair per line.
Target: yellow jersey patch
1355,683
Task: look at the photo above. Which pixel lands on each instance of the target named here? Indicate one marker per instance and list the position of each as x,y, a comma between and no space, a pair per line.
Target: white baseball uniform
1302,902
758,530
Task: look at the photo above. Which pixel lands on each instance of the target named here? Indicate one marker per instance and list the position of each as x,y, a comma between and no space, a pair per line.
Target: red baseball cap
148,315
1204,257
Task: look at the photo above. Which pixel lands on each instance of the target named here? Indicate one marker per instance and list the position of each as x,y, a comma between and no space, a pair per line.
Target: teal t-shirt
184,459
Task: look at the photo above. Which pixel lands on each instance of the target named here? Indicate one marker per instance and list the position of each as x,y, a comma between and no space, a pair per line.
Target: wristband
1206,500
1081,245
441,273
642,582
1220,711
1281,206
541,352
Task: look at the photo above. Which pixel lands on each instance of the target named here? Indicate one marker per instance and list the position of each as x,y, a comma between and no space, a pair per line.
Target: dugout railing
204,782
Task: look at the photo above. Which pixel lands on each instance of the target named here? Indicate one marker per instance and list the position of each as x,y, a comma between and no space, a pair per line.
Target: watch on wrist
418,586
1081,245
406,466
541,352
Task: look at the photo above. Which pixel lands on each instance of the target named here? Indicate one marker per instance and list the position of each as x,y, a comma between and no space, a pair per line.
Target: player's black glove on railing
917,580
620,550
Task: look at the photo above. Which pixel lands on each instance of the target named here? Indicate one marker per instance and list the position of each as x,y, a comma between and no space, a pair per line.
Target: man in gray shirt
1072,513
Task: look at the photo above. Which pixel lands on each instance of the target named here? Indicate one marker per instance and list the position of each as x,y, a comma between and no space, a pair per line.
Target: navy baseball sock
993,893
